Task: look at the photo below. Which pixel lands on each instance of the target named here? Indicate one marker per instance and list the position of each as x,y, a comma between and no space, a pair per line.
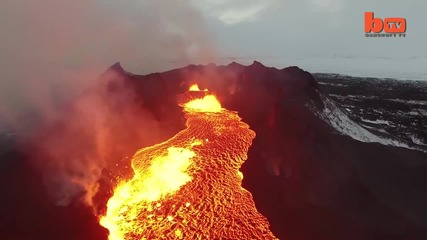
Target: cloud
234,12
305,29
235,16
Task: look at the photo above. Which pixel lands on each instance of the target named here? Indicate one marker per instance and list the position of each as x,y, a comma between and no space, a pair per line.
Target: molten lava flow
206,104
189,187
195,88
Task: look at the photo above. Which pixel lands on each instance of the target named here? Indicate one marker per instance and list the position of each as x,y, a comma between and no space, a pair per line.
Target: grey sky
50,46
322,35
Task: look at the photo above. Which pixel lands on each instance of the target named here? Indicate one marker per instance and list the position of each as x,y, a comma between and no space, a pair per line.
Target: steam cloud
52,50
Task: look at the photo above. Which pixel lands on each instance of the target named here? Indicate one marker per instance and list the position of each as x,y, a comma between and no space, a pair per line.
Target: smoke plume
52,50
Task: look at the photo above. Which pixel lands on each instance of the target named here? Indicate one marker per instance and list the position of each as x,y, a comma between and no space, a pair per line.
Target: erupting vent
189,187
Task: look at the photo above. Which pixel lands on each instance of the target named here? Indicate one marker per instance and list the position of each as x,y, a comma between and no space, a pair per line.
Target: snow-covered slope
341,122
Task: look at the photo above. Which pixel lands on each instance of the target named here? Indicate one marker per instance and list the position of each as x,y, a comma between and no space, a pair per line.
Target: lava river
189,187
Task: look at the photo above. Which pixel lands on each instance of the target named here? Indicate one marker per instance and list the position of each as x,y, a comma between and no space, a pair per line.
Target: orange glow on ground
189,187
195,88
208,103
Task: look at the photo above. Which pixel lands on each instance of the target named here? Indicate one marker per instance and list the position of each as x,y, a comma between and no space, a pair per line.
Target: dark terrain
311,181
382,105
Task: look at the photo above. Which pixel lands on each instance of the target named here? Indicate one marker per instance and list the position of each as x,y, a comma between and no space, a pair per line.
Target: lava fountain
189,187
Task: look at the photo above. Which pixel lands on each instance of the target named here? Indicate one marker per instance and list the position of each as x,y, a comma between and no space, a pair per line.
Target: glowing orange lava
189,187
195,88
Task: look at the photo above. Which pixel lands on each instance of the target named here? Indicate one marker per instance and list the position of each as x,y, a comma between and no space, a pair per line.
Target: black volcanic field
394,106
311,182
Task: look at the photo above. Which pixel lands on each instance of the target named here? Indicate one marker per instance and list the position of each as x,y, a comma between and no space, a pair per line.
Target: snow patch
417,140
418,112
339,120
333,84
413,102
378,121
